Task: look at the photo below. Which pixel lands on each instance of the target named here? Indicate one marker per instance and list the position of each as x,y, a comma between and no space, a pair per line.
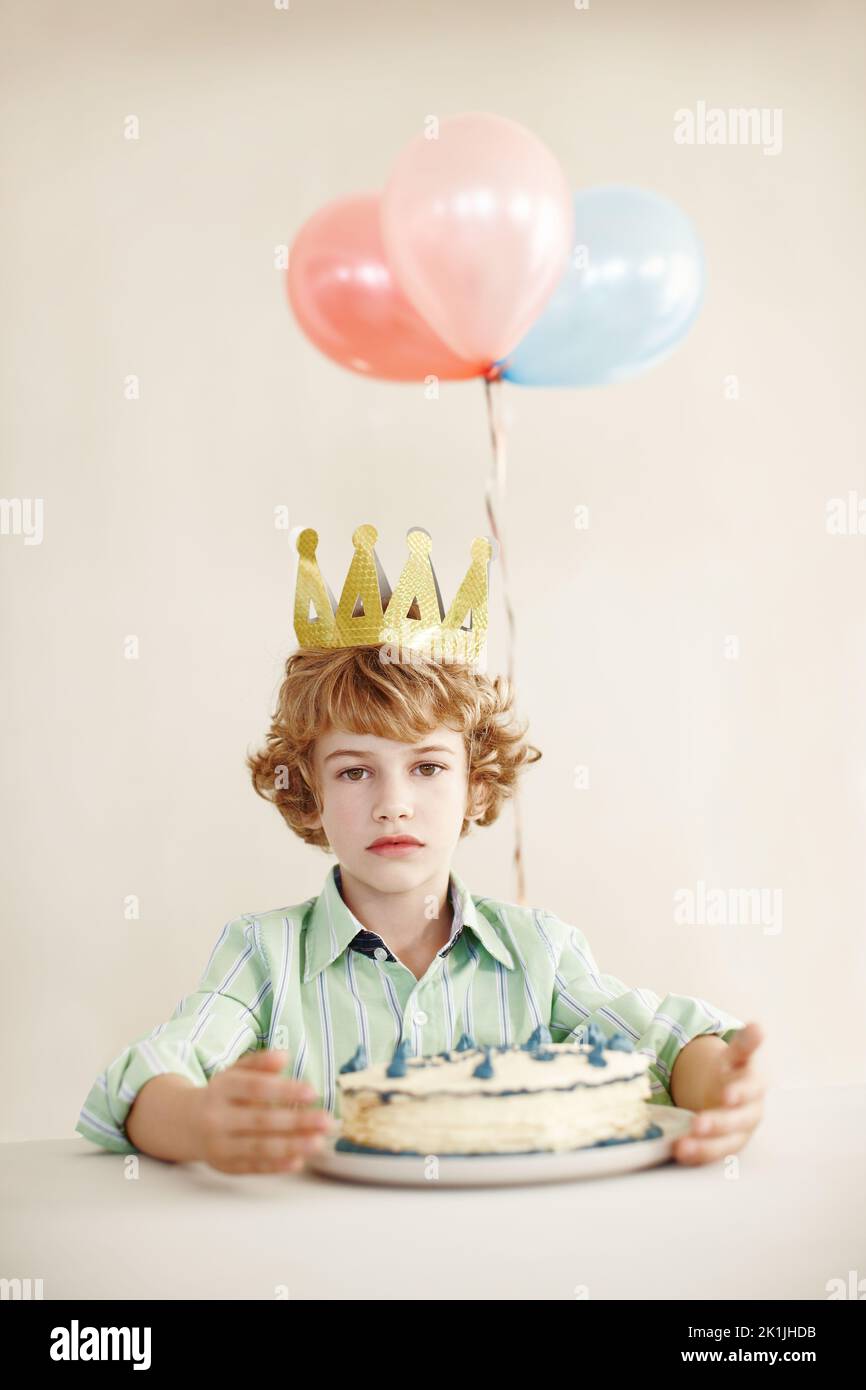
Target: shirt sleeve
658,1027
228,1015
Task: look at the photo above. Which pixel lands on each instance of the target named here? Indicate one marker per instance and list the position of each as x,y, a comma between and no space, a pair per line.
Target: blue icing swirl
397,1065
358,1060
485,1067
539,1035
466,1043
593,1035
596,1057
620,1043
539,1055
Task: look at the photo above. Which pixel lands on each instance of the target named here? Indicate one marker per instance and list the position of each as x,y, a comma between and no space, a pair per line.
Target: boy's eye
345,773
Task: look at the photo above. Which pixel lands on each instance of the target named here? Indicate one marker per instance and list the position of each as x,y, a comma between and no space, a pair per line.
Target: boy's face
372,787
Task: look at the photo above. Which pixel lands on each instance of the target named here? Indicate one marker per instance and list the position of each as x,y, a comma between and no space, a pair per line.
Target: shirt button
420,1016
380,953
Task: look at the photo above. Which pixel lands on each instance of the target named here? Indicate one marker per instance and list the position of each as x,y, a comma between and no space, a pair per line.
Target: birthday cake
538,1096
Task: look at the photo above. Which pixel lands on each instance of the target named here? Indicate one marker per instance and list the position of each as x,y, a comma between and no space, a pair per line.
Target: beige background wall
707,514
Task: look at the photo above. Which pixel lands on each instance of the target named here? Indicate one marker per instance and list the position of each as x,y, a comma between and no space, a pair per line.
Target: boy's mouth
395,845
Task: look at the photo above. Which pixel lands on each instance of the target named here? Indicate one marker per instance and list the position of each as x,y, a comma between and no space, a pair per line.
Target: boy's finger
254,1120
249,1087
711,1122
706,1150
743,1044
268,1150
744,1088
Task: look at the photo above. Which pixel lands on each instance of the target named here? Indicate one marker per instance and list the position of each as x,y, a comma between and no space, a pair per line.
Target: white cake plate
492,1170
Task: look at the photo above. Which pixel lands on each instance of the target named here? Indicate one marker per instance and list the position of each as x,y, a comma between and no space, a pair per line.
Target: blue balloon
632,289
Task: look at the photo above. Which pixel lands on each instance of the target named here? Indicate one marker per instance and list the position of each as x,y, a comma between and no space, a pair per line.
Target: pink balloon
477,227
348,303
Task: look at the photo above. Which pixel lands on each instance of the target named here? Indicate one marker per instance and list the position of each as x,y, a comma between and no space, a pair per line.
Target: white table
793,1219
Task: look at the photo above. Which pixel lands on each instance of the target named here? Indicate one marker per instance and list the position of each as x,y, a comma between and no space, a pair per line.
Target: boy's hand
249,1119
733,1102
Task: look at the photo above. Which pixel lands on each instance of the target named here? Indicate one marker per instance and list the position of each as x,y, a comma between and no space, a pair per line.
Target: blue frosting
618,1042
347,1146
397,1065
385,1096
485,1067
358,1061
539,1035
402,1061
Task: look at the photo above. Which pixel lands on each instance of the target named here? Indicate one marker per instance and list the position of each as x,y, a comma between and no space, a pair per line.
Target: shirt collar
331,927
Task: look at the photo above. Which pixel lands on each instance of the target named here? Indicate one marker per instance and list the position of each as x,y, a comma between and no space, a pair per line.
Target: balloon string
495,505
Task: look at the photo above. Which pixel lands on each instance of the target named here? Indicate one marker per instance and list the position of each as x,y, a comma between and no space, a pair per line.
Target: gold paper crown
411,617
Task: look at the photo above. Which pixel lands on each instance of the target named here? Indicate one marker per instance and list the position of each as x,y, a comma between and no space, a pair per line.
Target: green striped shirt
313,980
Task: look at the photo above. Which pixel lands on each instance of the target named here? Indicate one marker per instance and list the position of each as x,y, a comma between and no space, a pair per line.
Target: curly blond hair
353,688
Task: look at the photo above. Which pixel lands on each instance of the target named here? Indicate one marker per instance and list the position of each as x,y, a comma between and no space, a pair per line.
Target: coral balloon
477,228
349,304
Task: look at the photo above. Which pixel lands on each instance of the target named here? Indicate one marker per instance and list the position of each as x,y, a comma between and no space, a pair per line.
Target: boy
387,765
